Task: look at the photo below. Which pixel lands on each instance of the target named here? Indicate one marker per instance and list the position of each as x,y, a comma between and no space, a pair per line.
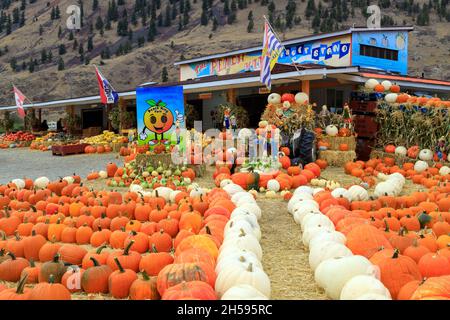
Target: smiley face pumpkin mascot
157,119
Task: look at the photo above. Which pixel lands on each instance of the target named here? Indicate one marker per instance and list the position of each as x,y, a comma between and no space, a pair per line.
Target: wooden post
40,116
231,96
305,86
123,109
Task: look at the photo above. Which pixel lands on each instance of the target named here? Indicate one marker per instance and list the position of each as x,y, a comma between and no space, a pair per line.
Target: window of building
335,99
376,52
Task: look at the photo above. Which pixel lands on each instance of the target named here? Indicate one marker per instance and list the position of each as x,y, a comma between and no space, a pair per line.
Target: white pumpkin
253,208
362,285
225,182
304,207
238,258
103,174
327,235
232,188
233,251
273,185
41,183
165,192
333,274
371,83
197,192
426,155
301,98
310,233
356,193
247,242
297,198
316,219
420,166
241,195
173,194
243,274
373,296
20,183
401,151
69,179
332,130
274,98
243,201
136,188
304,189
444,170
386,84
385,189
241,213
327,250
338,192
243,292
239,225
391,97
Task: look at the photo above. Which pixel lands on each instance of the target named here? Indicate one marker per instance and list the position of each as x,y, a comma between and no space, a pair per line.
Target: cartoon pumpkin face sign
157,119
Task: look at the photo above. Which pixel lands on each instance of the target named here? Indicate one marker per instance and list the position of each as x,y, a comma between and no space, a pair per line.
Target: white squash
420,166
136,188
241,195
243,201
238,225
332,274
426,155
41,183
362,285
173,194
301,98
233,251
312,220
371,83
385,189
386,84
400,151
391,97
232,188
303,207
20,183
373,296
312,232
253,208
243,274
327,235
273,185
247,242
274,98
241,213
238,258
327,250
103,174
225,182
165,192
304,189
69,179
243,292
197,192
297,198
332,130
356,193
338,192
444,170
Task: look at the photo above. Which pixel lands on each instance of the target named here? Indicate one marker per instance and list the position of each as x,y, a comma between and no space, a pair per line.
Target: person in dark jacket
301,146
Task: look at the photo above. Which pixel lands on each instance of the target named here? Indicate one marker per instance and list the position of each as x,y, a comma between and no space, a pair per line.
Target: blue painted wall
395,40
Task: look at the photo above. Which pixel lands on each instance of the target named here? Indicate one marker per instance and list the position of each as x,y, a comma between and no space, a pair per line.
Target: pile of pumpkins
367,249
165,244
414,152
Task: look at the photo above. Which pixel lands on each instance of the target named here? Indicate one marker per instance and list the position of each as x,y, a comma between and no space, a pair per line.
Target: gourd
273,185
41,183
444,170
400,151
426,155
420,166
363,285
332,130
20,184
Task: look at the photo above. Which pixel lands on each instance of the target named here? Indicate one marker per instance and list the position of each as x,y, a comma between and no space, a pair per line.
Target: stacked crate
363,106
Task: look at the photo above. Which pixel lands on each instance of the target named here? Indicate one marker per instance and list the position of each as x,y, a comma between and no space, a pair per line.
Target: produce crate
69,149
365,126
363,106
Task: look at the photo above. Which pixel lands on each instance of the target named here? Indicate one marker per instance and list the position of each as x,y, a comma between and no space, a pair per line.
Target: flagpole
281,43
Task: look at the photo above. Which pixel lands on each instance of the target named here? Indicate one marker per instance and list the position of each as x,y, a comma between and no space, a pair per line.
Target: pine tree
43,56
215,24
50,56
52,14
180,23
168,20
310,8
8,25
71,36
57,13
75,45
185,17
226,8
174,12
41,30
164,75
16,15
59,32
90,44
23,5
62,49
22,19
250,26
61,64
271,10
204,18
290,13
94,5
81,49
99,23
141,41
13,63
233,6
31,66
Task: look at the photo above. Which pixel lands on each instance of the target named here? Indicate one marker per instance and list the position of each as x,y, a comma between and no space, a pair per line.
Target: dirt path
285,260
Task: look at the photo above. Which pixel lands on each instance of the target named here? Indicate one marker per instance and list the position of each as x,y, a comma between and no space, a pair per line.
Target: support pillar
306,87
231,96
123,109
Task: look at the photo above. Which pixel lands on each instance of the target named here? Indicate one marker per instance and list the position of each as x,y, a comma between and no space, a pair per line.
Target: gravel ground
18,163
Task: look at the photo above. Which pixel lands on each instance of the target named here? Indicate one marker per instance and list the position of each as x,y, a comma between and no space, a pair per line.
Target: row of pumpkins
412,152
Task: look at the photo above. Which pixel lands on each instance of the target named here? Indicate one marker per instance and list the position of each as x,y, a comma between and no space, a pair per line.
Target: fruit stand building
329,67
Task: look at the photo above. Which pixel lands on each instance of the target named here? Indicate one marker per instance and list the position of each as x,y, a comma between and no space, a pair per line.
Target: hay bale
335,142
337,158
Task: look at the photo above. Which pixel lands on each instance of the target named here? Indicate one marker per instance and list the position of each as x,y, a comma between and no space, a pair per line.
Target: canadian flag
20,99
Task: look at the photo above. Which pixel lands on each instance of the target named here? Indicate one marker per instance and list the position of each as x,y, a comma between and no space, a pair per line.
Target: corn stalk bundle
297,117
408,125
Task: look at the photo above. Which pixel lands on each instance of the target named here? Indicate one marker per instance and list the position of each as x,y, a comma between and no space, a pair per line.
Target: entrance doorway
255,106
92,118
193,112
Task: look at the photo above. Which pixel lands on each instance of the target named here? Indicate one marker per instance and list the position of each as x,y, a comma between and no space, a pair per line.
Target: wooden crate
69,149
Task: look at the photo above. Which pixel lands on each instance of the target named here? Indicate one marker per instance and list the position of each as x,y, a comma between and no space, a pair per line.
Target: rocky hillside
134,40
